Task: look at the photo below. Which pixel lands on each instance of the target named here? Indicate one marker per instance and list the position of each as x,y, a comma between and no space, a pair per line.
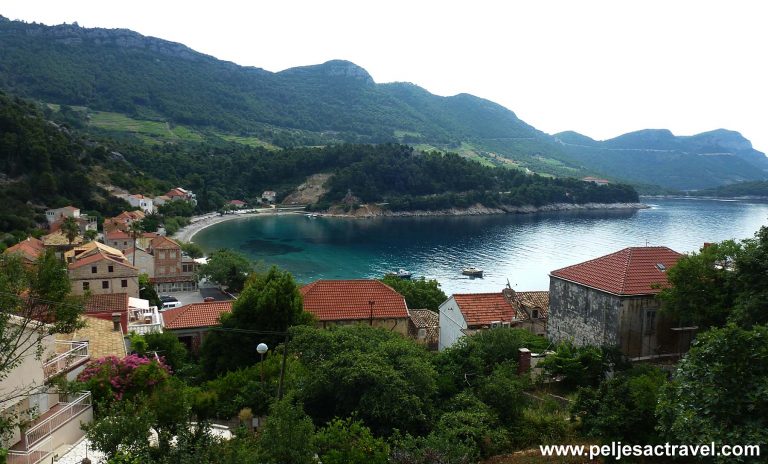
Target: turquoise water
521,248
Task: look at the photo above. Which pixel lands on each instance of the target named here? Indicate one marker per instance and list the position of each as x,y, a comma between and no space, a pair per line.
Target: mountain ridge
149,78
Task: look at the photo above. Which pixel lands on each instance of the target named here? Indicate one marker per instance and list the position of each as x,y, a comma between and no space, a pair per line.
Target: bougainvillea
112,378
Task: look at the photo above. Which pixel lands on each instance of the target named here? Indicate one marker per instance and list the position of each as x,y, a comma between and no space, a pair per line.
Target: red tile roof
163,243
484,308
29,248
100,256
339,300
196,315
118,235
631,271
111,302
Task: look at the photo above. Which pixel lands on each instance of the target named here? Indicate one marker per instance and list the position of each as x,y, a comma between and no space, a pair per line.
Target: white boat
472,272
401,273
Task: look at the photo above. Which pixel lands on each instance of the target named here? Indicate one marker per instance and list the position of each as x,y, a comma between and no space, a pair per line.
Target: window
93,270
535,313
124,283
86,285
111,268
125,243
104,284
650,322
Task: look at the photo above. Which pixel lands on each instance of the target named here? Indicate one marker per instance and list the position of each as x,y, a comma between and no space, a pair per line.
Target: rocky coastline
369,211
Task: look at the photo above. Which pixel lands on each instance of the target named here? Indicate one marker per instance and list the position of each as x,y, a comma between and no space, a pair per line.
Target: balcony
52,429
144,320
69,356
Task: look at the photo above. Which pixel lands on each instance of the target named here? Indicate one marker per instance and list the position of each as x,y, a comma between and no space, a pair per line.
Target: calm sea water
520,248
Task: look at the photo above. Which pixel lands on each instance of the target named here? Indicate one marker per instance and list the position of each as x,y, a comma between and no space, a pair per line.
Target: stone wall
582,315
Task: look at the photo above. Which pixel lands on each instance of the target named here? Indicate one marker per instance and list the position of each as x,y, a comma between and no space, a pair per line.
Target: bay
521,249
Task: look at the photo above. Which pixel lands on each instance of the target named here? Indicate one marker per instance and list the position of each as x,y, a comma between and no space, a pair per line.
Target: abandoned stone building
611,300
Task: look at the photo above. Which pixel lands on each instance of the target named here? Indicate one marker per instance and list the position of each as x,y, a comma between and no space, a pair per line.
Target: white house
140,201
56,214
468,313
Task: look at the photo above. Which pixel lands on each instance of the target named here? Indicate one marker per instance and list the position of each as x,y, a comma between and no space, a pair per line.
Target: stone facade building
98,269
612,301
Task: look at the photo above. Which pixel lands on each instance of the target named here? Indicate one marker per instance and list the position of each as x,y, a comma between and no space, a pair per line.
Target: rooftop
111,302
102,339
631,271
335,300
484,308
196,315
30,248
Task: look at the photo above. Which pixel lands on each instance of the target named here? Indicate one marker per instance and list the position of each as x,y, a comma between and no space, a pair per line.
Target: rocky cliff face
74,35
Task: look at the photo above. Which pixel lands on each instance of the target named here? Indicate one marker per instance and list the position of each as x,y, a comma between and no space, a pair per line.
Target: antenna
508,286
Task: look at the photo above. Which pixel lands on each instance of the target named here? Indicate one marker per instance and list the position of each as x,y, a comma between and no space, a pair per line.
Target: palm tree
136,228
70,228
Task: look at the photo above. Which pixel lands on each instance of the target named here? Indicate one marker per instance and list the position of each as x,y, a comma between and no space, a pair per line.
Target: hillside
658,157
125,85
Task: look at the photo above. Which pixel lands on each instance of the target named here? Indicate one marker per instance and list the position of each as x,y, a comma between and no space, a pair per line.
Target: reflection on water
521,248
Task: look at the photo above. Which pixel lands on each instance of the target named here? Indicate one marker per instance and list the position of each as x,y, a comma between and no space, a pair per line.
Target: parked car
168,298
171,304
208,299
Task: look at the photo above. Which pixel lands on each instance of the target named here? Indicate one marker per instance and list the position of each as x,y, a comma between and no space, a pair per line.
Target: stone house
98,269
190,323
424,327
173,271
611,300
468,313
363,301
143,261
28,249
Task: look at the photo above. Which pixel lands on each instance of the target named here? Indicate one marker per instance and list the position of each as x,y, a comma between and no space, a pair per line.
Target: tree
287,435
70,228
702,287
368,373
419,293
751,269
270,302
135,229
36,303
226,268
622,408
90,235
151,222
147,290
193,250
718,393
350,442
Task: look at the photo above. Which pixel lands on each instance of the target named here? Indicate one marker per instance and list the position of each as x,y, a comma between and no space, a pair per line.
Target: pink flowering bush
112,378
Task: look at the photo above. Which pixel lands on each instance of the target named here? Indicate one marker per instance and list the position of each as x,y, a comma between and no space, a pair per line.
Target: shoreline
187,233
480,210
203,221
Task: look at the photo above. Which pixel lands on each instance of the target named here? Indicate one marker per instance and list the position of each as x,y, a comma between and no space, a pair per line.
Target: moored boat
472,272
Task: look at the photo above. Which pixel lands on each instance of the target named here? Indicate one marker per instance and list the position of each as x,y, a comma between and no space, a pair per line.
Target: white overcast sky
601,68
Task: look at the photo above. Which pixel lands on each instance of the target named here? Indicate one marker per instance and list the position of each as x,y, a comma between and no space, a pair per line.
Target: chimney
116,322
523,360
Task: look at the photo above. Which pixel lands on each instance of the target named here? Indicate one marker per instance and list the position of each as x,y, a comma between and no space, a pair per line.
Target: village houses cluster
609,300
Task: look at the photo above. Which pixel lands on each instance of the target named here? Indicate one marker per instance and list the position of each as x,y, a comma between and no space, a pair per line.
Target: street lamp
261,349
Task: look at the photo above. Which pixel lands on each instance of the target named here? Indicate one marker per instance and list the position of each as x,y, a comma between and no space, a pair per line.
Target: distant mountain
656,156
155,81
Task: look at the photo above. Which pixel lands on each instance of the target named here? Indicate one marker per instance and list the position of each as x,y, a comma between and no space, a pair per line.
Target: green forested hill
125,83
46,164
659,157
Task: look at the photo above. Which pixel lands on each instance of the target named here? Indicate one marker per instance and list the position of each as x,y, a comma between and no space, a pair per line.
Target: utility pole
371,302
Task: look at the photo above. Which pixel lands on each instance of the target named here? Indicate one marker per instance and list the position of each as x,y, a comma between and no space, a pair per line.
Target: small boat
401,273
472,272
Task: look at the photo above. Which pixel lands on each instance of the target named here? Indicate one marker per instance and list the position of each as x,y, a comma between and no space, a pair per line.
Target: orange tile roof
631,271
29,248
100,256
118,234
533,300
161,242
196,315
110,302
484,308
337,300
